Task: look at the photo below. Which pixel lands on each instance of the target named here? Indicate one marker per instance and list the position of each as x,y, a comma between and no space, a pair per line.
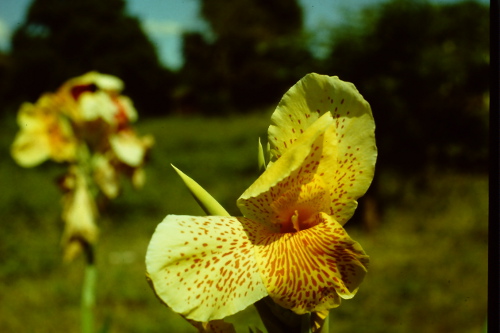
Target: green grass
428,256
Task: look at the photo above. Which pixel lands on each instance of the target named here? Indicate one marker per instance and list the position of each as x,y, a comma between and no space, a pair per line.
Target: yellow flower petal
308,270
204,267
95,96
291,169
127,106
128,148
30,149
79,214
103,81
44,134
347,169
308,99
347,153
106,176
95,105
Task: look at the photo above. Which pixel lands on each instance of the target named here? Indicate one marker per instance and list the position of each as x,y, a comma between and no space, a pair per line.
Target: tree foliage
254,52
61,39
424,68
257,20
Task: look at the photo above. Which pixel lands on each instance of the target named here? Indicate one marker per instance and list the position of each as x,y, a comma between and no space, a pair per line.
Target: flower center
297,208
301,219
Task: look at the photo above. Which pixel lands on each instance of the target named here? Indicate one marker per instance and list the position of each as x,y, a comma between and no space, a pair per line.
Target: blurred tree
254,52
424,68
258,20
5,69
62,39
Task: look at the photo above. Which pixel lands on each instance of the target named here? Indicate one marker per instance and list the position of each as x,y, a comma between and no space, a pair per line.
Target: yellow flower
290,244
79,214
44,134
102,117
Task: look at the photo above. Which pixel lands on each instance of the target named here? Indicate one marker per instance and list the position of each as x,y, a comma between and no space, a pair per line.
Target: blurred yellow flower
86,123
79,214
290,244
96,96
44,134
103,118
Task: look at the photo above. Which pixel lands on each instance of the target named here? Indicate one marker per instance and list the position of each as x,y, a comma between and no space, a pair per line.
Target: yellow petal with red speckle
347,166
312,269
346,163
295,168
204,267
311,97
356,153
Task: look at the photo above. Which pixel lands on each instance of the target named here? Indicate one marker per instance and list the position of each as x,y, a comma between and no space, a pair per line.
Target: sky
165,20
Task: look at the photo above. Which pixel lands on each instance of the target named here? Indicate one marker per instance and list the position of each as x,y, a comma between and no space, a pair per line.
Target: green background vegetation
428,255
424,70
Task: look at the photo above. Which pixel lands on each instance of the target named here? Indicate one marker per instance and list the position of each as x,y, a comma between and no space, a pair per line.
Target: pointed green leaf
204,199
261,158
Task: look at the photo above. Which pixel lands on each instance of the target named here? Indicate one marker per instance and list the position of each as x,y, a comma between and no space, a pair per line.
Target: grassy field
428,256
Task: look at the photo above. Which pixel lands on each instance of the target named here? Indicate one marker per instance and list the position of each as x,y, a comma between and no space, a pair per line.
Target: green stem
325,328
305,326
88,292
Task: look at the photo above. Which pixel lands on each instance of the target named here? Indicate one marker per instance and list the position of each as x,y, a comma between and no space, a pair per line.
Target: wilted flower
290,244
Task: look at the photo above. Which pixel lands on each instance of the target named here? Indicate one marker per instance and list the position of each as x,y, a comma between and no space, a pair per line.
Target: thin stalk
88,291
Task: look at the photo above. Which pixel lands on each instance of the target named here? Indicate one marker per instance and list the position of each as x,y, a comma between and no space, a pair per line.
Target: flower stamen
295,221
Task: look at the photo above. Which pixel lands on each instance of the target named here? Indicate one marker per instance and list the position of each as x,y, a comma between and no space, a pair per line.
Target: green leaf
204,199
261,158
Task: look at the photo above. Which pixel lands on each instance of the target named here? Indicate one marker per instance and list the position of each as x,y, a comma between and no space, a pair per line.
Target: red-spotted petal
345,163
286,176
350,172
204,267
346,170
312,269
311,97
